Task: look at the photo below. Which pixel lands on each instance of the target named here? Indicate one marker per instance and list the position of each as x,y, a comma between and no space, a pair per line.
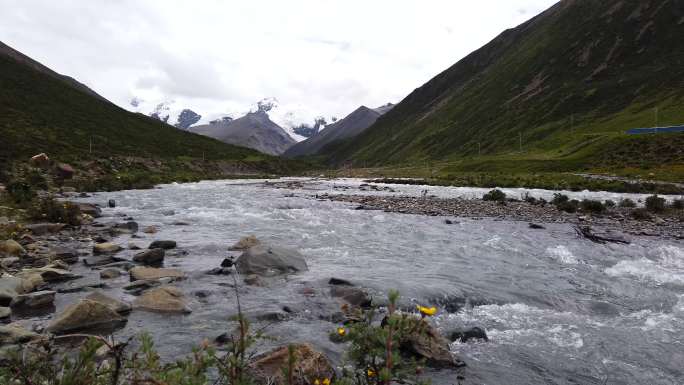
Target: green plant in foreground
655,204
51,210
495,195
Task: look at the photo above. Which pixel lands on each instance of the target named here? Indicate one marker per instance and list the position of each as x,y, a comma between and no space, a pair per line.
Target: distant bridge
655,130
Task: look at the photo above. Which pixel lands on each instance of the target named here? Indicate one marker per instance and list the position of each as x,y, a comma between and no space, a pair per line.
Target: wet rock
69,256
120,307
222,339
110,273
12,334
536,226
176,253
150,230
151,273
102,260
124,265
106,248
270,261
76,287
33,300
310,364
351,295
168,213
220,271
448,222
10,263
111,203
474,333
45,228
11,248
150,257
5,312
165,299
426,343
11,287
271,316
339,282
85,315
245,243
129,227
227,262
49,274
166,245
89,209
133,246
137,287
180,223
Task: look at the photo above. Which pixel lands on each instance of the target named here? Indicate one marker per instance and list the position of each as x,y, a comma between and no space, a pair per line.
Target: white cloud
317,57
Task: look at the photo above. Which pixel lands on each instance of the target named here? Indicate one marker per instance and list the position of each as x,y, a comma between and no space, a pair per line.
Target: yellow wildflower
427,311
371,372
316,382
326,381
341,331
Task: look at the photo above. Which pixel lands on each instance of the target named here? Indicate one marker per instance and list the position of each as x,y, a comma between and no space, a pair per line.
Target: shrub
50,210
628,203
20,192
592,206
641,214
569,206
559,199
678,204
655,204
37,180
609,204
495,195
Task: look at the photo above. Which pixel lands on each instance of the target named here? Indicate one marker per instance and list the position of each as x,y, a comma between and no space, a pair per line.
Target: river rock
165,299
45,228
33,300
89,209
110,273
150,230
227,262
535,226
118,306
85,315
352,295
428,344
270,260
5,312
150,257
245,243
67,255
125,228
49,274
339,282
11,287
41,161
111,203
166,245
137,287
253,280
151,273
11,248
10,262
474,333
102,260
76,287
310,364
12,334
64,171
106,248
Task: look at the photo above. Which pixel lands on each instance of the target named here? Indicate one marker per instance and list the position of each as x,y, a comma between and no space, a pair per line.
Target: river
557,309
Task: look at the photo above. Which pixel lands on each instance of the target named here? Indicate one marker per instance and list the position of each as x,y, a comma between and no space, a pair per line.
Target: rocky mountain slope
564,85
42,111
352,125
254,130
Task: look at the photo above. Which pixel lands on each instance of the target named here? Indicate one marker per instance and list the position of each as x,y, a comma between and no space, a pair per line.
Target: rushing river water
557,309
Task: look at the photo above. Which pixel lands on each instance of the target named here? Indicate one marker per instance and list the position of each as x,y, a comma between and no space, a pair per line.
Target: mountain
42,111
564,86
352,125
254,130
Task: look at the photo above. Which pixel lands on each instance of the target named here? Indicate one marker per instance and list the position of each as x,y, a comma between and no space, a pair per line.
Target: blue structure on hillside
655,130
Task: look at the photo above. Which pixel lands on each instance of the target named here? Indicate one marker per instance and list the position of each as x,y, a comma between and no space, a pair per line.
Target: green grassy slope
565,84
40,113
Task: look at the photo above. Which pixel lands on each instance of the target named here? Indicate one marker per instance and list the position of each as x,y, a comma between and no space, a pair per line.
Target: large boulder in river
151,273
12,334
48,274
11,248
118,306
86,315
425,342
245,243
11,287
351,295
33,300
165,299
150,257
270,261
310,365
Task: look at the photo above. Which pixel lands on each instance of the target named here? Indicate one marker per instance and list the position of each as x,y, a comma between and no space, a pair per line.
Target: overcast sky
316,57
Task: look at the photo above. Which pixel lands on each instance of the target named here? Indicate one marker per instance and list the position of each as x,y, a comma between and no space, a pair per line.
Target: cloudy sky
316,57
